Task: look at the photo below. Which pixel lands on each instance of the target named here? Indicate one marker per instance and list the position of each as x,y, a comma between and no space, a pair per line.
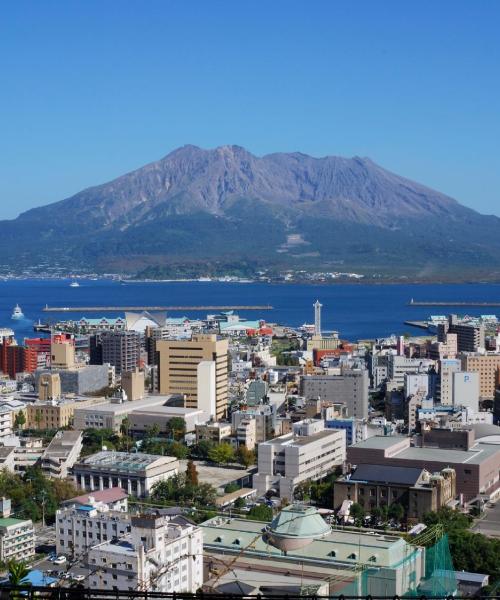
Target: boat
74,284
17,313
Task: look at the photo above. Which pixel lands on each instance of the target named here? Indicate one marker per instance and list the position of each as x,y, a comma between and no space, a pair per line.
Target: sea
356,311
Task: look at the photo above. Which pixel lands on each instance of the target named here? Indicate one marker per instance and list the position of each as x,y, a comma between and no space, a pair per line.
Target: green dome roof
296,526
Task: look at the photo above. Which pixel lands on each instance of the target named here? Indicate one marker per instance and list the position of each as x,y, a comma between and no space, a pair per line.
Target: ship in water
74,283
17,313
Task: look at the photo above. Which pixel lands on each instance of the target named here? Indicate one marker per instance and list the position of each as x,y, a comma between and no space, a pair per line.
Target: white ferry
17,313
74,284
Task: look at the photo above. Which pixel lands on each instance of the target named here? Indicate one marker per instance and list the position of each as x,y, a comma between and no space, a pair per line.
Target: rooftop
136,461
10,521
113,494
221,534
386,474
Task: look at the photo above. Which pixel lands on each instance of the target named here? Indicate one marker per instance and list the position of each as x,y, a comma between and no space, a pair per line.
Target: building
256,392
49,386
213,431
476,466
301,545
179,369
134,472
133,384
415,489
91,519
245,434
356,430
140,420
55,414
83,379
399,366
109,415
160,554
466,390
17,536
16,359
62,354
264,417
310,452
350,388
6,424
62,453
121,349
470,337
488,368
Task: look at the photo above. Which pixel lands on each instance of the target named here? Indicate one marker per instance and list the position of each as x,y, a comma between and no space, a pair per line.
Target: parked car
60,560
77,577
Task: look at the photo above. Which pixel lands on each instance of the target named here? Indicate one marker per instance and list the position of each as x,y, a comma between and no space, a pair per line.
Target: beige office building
133,384
62,355
55,414
488,367
49,387
179,369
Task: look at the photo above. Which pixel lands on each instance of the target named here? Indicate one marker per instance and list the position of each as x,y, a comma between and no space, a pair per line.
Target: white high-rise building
160,554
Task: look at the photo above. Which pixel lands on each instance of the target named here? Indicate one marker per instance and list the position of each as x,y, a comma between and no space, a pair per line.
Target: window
373,558
333,554
352,556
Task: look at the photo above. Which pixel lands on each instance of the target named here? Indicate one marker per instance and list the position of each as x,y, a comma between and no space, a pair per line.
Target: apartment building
310,452
245,434
264,417
88,520
197,370
349,388
17,536
213,431
488,368
160,554
470,337
121,349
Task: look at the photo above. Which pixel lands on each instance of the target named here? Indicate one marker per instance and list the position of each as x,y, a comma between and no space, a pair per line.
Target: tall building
121,349
317,317
180,367
469,337
350,389
310,452
488,368
444,387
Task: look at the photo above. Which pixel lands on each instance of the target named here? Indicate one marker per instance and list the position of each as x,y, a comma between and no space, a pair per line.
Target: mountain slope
282,209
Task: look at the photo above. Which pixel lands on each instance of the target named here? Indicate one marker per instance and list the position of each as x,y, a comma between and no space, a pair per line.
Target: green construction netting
422,571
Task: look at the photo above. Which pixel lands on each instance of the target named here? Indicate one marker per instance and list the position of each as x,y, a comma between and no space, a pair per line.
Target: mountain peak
227,201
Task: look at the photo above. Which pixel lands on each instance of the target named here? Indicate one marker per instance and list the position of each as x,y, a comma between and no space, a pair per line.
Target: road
490,523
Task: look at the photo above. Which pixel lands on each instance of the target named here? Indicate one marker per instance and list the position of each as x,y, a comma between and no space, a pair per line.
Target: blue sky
92,89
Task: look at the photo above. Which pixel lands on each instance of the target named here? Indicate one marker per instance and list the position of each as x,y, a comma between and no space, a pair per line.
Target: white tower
317,317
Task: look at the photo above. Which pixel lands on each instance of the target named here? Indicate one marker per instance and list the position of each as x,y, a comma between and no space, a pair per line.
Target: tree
20,420
203,448
176,427
125,426
191,473
231,487
18,576
357,512
239,503
38,418
396,512
262,512
245,456
222,454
